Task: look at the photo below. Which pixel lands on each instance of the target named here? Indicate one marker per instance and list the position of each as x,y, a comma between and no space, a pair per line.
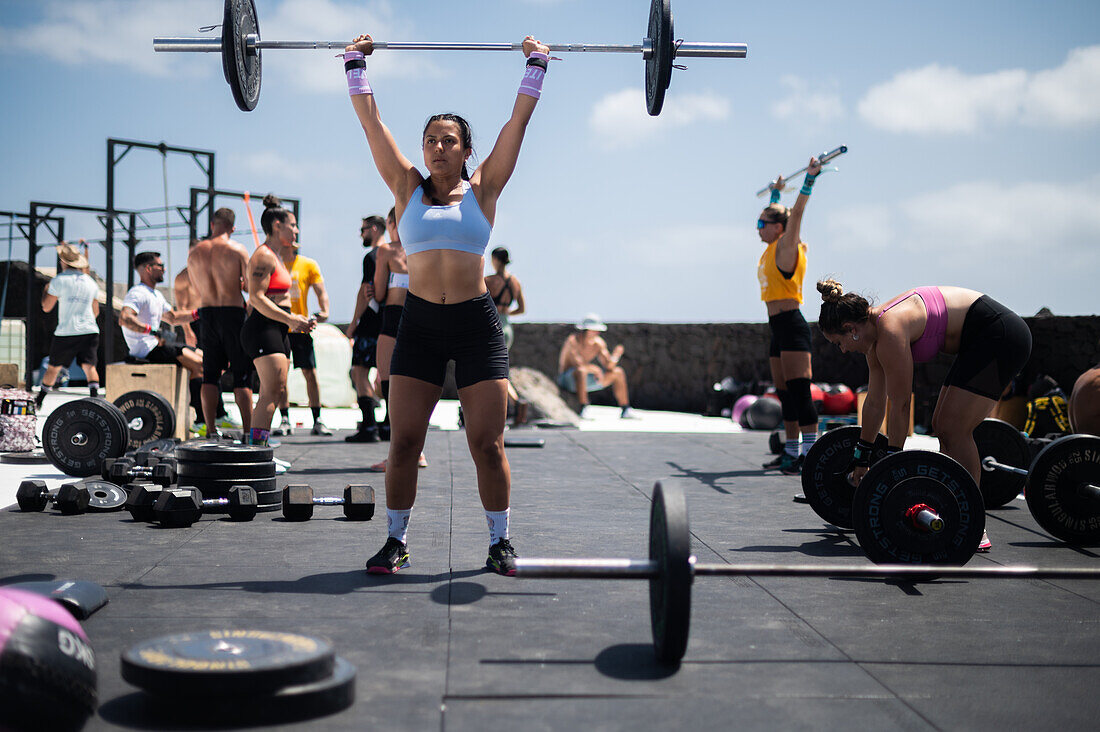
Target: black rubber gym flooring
444,645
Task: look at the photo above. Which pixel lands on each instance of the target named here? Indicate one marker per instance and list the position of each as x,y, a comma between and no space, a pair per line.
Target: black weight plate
79,435
241,66
265,501
149,417
219,487
226,663
905,479
32,456
658,67
1055,489
824,474
104,496
212,451
522,442
1005,444
227,470
670,590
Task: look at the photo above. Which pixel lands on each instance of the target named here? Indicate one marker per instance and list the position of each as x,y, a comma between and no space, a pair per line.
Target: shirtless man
586,365
187,299
217,267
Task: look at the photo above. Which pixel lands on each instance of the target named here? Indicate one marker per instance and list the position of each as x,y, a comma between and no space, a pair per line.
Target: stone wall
674,366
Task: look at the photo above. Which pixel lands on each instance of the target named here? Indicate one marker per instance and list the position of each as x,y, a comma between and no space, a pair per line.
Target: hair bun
272,201
831,290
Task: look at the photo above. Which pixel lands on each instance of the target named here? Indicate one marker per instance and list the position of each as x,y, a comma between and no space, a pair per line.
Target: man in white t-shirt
144,310
77,334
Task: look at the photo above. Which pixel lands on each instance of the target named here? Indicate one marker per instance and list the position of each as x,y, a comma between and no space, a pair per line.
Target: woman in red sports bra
991,345
264,333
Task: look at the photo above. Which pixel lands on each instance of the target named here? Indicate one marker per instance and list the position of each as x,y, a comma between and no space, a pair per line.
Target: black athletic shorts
469,332
301,350
262,336
220,341
790,332
364,350
83,348
391,318
994,347
165,354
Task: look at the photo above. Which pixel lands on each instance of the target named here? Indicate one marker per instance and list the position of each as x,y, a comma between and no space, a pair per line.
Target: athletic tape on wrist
533,74
775,195
355,66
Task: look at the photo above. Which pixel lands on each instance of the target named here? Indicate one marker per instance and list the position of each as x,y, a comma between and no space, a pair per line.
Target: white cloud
121,32
802,102
944,100
619,120
272,165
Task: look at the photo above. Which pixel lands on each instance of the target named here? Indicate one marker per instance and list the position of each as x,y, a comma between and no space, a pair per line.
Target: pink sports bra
932,339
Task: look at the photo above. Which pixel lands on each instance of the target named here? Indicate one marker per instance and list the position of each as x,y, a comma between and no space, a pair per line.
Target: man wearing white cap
77,334
585,365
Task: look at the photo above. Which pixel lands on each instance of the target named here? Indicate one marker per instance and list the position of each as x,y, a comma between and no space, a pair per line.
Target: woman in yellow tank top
781,271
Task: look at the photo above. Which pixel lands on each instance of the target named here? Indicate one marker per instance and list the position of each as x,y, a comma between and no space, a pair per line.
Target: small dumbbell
123,470
141,500
70,498
298,502
181,507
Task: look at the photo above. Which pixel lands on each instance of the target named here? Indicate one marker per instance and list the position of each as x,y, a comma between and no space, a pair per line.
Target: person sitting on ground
77,335
991,345
585,365
143,311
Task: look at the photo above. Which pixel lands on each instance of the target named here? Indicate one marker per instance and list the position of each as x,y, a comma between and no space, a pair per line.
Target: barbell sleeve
586,568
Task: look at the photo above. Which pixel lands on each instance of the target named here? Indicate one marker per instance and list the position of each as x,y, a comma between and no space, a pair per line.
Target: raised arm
496,169
395,168
786,254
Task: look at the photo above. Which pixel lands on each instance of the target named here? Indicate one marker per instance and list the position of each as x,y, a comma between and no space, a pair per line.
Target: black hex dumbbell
70,498
141,500
123,470
181,507
298,502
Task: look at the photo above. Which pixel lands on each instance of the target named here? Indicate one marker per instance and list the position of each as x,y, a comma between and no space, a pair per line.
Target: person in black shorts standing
363,332
77,334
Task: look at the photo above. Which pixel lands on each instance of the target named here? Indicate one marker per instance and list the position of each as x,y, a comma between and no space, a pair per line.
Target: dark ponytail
273,211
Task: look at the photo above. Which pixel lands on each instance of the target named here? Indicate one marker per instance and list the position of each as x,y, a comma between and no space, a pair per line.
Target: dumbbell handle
990,463
328,501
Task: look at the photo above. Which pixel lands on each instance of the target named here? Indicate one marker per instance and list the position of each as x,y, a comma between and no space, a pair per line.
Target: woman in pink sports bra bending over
991,344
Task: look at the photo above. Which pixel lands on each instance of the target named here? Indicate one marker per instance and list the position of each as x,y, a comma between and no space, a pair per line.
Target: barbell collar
253,42
646,569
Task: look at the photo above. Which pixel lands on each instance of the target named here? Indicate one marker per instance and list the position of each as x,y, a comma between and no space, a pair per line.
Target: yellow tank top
773,285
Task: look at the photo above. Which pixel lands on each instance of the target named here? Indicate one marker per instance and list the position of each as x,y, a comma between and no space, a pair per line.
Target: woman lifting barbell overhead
781,271
991,345
445,220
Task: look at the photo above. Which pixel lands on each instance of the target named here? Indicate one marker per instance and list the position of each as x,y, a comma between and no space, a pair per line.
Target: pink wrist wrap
356,67
531,84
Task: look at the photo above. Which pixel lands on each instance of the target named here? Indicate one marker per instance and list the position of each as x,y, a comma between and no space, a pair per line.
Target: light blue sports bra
461,226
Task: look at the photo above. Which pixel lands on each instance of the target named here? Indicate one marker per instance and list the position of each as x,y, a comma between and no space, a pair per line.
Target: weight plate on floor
226,662
897,483
79,435
825,474
1059,493
523,442
219,487
104,496
658,66
214,451
670,590
1004,443
156,449
241,66
30,457
226,470
149,417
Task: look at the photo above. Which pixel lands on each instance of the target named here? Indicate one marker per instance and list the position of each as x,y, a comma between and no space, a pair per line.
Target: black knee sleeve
803,401
790,410
195,387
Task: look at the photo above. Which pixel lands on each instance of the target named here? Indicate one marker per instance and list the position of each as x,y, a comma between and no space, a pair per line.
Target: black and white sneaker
502,558
393,556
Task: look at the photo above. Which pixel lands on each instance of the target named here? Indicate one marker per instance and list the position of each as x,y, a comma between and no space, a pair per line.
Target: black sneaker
39,398
391,557
368,435
774,464
502,558
790,465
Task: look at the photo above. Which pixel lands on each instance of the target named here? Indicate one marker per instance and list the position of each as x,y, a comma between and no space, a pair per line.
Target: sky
973,132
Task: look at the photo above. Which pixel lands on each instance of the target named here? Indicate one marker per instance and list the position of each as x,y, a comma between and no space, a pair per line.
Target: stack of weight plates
215,467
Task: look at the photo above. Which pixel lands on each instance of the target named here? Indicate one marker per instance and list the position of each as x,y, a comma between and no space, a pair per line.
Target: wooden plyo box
168,380
860,397
9,374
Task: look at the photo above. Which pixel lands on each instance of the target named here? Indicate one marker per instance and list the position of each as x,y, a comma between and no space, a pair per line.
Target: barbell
241,45
671,570
823,158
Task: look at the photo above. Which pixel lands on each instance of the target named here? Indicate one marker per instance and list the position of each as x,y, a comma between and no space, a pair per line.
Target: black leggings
468,332
994,347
